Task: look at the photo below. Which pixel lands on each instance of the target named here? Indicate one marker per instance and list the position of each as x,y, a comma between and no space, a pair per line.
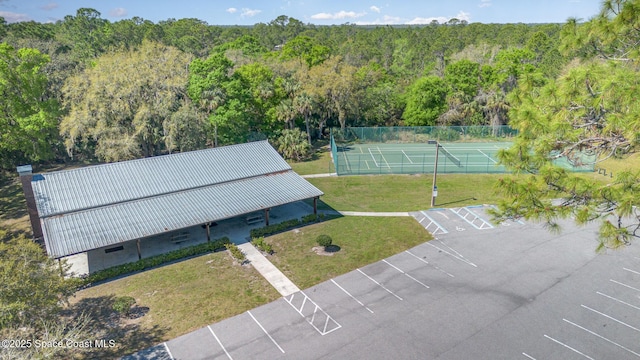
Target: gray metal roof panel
94,186
73,233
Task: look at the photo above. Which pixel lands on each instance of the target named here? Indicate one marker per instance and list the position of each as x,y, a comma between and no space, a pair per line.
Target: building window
113,249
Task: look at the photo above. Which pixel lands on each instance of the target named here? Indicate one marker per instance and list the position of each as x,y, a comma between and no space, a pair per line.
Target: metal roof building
97,206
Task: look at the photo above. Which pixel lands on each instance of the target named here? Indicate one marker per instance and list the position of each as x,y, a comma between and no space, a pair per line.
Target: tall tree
86,34
118,106
426,100
588,114
28,124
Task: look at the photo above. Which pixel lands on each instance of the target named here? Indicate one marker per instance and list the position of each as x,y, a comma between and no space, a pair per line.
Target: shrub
122,304
154,261
235,252
261,244
285,225
324,240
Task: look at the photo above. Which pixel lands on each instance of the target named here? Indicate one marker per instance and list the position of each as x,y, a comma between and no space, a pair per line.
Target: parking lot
479,290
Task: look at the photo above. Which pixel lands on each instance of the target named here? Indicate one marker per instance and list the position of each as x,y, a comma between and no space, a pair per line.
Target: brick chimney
26,176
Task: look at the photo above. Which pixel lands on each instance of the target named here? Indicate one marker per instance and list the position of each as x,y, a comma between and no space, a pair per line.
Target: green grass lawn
361,240
187,295
404,192
320,163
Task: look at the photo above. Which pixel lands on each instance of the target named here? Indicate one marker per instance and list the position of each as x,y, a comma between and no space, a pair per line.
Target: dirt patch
328,251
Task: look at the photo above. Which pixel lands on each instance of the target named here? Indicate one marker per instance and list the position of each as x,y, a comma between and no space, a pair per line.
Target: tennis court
476,157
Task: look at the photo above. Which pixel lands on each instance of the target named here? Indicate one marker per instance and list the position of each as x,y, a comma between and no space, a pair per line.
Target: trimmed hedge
324,240
285,225
151,262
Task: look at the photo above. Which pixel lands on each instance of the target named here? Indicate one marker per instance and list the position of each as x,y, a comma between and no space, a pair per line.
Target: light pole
434,189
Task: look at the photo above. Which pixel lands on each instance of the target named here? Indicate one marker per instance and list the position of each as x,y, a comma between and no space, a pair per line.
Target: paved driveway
478,291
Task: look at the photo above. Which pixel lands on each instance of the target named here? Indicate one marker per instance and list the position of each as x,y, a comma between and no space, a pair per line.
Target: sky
319,12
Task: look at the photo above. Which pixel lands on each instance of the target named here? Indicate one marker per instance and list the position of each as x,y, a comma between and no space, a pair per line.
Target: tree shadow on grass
106,324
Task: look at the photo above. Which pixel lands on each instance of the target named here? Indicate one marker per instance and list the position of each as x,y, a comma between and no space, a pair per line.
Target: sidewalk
274,276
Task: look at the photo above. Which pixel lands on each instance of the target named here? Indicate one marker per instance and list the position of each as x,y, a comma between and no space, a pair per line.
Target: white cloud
339,15
375,9
441,19
49,6
249,12
386,20
14,17
231,10
118,12
484,3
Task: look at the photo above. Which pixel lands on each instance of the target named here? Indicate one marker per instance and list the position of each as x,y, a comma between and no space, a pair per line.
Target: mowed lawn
190,294
405,192
358,240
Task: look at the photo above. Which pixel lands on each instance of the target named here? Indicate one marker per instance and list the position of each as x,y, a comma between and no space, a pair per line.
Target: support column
208,231
266,216
315,205
139,253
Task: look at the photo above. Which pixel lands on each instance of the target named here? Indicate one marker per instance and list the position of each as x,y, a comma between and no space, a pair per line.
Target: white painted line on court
426,262
625,285
568,347
372,158
219,343
632,271
265,331
618,300
407,275
602,337
408,158
383,158
382,286
166,347
610,317
528,356
353,297
452,255
346,161
489,157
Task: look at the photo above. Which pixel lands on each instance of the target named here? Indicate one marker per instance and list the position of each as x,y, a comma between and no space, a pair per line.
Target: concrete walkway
319,175
370,213
274,276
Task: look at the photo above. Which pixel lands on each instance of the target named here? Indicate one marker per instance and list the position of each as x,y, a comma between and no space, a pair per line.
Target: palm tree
303,105
211,100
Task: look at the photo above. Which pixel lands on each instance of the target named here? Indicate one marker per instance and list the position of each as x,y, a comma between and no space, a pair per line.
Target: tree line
88,88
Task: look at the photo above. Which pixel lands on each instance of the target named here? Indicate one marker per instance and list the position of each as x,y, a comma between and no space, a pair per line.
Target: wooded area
87,88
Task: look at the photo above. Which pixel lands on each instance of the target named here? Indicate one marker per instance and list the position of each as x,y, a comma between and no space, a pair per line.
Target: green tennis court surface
476,157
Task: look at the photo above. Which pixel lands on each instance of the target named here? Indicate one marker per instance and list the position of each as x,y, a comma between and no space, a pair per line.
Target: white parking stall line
428,263
611,318
617,300
166,347
353,297
528,356
405,274
466,213
602,337
568,347
382,286
219,343
452,255
632,271
320,320
265,331
625,285
439,229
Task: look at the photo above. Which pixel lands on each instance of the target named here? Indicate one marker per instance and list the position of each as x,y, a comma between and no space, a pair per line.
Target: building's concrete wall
235,229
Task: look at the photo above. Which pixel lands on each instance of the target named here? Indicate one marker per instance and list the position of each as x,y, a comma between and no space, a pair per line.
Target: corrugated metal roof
183,190
88,187
108,225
